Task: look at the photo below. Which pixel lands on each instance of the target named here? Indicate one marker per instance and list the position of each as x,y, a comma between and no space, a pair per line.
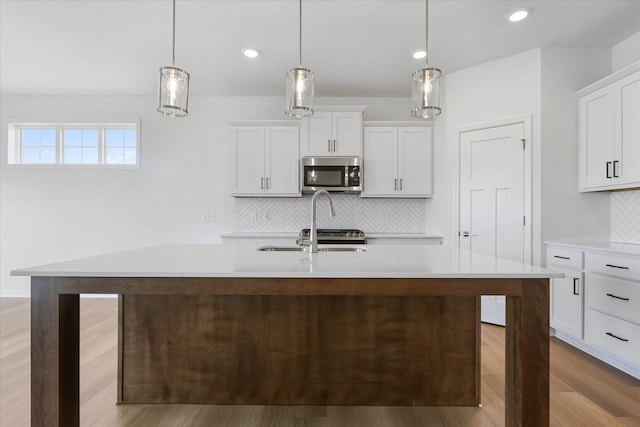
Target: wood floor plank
584,391
573,408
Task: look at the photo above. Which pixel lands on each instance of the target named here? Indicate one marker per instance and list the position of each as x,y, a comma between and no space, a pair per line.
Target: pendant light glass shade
299,84
426,93
173,94
426,83
299,92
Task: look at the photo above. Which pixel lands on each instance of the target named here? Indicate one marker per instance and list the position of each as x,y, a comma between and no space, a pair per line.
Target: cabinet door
248,160
627,113
414,161
380,161
282,161
316,134
596,139
567,303
346,133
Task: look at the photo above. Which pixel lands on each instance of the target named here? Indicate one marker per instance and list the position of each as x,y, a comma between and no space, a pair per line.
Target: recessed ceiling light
518,15
419,54
250,53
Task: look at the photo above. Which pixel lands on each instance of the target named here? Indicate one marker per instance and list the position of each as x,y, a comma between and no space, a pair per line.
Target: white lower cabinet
566,299
566,303
596,306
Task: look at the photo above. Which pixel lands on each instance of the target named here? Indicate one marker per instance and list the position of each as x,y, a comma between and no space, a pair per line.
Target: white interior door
492,219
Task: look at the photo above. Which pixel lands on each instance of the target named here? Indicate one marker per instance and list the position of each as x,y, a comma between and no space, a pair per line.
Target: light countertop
602,246
243,260
292,235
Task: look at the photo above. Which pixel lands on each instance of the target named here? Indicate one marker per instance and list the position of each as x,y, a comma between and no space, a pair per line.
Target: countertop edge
628,249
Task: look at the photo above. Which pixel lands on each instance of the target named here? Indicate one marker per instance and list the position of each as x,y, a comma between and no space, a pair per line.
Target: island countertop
330,320
244,261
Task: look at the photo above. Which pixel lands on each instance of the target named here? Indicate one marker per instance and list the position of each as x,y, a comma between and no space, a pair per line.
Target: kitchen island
395,325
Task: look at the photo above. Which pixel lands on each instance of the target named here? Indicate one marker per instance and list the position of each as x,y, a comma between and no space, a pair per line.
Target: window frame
14,143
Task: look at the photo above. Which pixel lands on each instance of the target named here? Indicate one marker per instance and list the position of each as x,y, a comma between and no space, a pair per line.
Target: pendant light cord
173,56
426,34
300,35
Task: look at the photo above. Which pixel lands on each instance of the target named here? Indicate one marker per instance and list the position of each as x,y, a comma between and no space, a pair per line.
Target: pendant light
426,84
173,95
299,85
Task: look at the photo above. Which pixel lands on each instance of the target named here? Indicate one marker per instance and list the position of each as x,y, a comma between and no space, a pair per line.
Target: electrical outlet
209,216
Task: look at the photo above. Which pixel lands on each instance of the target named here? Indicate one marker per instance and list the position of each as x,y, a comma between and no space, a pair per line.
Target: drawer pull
561,257
616,337
576,286
617,297
617,266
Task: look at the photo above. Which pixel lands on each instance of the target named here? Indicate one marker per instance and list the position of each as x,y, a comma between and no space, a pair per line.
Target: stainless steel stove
334,236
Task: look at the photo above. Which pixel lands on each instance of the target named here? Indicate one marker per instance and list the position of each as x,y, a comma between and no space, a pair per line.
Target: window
86,144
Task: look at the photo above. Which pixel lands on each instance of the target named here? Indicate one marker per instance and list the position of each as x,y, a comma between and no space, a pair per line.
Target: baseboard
600,354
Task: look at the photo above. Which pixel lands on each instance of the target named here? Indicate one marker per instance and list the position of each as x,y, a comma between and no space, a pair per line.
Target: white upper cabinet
609,132
332,131
397,160
265,161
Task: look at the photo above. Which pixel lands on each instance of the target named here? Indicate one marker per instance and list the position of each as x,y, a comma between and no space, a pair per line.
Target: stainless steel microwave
338,174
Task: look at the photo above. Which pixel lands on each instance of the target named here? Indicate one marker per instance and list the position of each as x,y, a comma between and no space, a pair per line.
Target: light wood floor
584,391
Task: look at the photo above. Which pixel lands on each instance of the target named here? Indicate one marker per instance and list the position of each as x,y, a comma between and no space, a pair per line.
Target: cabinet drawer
613,265
614,296
614,335
563,257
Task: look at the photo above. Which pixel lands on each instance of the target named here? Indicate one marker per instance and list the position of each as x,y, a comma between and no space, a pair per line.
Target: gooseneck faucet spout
313,241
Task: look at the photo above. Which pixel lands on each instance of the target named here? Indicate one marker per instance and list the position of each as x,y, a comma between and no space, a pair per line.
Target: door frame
528,175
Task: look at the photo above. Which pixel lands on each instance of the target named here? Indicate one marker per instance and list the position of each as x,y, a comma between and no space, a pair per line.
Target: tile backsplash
293,214
625,216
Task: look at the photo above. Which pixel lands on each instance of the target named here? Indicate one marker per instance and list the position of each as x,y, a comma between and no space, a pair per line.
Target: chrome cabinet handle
395,184
328,145
575,282
334,145
267,182
262,183
608,174
615,174
561,257
400,184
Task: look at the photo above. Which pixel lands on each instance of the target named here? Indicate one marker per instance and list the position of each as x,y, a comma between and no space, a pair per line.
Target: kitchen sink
306,249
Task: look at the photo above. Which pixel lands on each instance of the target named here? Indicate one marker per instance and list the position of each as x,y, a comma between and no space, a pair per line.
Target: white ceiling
355,48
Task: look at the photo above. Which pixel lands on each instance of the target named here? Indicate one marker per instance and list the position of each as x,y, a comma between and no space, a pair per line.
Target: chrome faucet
313,232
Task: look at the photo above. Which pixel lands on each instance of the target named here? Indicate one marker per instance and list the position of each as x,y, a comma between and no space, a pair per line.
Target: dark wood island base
300,350
294,340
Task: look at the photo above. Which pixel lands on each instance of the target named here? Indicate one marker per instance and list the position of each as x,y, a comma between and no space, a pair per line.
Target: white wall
52,215
494,91
565,213
626,52
539,83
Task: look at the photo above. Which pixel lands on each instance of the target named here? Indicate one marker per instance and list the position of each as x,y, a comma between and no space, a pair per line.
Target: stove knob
361,234
349,234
